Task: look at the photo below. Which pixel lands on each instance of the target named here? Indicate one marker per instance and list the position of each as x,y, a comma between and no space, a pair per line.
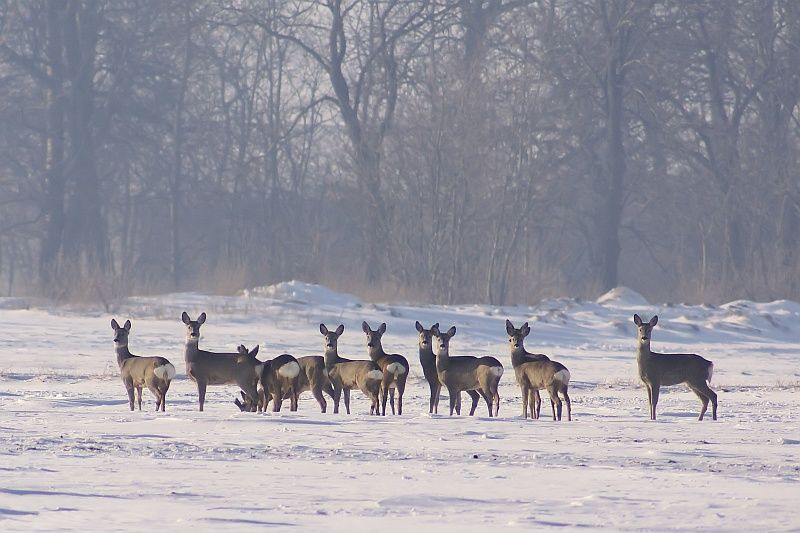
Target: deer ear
637,320
241,349
382,329
202,318
323,329
653,321
114,324
451,331
435,326
254,351
435,329
185,318
340,330
526,329
127,325
418,326
365,327
509,327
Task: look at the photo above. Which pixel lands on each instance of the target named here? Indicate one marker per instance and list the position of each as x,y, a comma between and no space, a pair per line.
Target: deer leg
337,395
556,401
489,398
569,404
475,398
655,387
384,392
401,389
703,398
201,393
130,394
537,401
295,399
391,399
458,404
347,399
436,397
139,396
649,398
524,402
454,394
431,403
317,392
328,389
496,400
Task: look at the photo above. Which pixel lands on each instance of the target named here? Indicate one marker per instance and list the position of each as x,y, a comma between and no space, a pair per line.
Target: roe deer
657,369
314,378
537,371
278,379
394,367
466,372
210,368
428,361
346,374
155,373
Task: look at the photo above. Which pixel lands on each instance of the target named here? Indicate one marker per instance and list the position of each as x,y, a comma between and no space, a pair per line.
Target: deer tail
710,371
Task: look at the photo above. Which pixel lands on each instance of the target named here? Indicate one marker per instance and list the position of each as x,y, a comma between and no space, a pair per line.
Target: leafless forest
448,151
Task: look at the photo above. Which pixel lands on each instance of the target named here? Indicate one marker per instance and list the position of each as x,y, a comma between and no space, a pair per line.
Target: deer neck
519,356
376,352
442,359
331,357
192,348
643,351
122,354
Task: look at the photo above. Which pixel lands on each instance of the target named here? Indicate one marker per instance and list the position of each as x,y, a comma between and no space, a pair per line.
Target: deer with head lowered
278,379
212,368
155,373
313,377
394,367
535,372
346,374
428,361
466,372
657,369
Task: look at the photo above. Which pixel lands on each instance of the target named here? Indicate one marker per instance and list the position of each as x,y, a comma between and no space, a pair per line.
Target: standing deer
394,367
278,379
466,372
346,374
211,368
657,369
535,372
155,373
428,361
313,377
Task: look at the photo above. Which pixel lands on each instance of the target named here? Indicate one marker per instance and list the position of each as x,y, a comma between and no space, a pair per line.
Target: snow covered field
72,456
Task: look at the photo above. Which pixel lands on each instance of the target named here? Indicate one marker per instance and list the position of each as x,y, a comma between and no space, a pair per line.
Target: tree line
496,151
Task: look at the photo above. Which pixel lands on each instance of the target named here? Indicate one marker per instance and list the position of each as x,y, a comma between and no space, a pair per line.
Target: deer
278,379
313,377
536,372
428,361
212,368
155,373
394,367
466,372
346,374
657,369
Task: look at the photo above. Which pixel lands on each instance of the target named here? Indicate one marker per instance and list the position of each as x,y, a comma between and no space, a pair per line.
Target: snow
72,456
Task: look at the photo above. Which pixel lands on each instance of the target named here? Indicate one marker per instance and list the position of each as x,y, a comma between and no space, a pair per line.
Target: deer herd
384,375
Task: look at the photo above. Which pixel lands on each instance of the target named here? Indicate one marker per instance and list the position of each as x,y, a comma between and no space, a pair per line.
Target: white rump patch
259,369
165,372
710,372
396,368
290,370
496,370
562,376
375,374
